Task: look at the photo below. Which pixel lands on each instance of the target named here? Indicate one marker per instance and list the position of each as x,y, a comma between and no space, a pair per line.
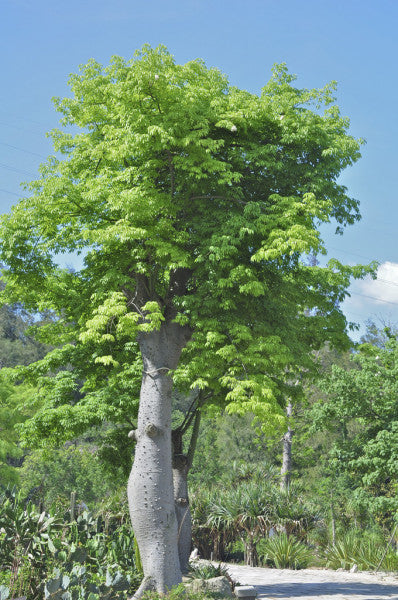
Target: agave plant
207,570
284,552
341,554
367,553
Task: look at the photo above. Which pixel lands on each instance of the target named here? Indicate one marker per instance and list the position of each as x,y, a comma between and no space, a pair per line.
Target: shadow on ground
369,591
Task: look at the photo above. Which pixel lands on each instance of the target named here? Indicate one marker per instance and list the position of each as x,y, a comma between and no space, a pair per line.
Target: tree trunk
181,466
251,559
150,487
287,451
183,512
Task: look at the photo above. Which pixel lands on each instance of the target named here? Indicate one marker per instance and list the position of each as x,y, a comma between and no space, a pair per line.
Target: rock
354,569
245,591
194,554
216,585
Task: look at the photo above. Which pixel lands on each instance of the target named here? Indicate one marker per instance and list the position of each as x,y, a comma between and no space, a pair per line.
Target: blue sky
351,41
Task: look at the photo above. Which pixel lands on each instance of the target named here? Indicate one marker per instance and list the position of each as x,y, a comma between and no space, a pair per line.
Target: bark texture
182,508
287,451
150,487
182,464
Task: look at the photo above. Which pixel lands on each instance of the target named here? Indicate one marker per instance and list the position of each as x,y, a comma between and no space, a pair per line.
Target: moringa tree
193,203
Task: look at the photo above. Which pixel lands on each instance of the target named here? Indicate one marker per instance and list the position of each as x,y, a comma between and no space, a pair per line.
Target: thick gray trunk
287,451
150,487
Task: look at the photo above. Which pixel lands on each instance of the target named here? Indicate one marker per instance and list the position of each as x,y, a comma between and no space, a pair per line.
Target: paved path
308,584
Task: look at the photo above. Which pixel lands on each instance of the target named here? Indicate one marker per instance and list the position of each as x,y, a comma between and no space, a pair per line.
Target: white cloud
384,289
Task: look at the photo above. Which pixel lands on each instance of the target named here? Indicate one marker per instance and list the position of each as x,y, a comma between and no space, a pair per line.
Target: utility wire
16,170
353,253
373,298
367,258
19,118
12,193
23,150
35,131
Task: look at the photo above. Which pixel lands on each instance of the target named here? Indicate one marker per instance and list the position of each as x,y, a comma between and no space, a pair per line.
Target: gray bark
150,487
181,466
287,451
183,512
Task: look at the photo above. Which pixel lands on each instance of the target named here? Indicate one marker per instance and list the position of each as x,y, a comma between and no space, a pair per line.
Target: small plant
35,545
340,554
368,554
285,552
4,592
206,570
179,592
78,585
390,562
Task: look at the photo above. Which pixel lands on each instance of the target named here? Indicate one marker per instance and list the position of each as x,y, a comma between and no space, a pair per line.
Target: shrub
367,552
91,552
340,554
206,570
285,552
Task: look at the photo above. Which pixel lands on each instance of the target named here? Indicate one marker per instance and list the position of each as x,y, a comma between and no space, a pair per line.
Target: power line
373,298
19,118
23,150
16,170
385,281
351,253
12,193
35,131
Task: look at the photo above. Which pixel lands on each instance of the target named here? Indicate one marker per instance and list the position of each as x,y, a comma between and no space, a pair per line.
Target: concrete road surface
308,584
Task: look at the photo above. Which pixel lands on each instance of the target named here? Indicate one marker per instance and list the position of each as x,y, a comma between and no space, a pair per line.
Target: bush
38,549
206,570
367,552
284,552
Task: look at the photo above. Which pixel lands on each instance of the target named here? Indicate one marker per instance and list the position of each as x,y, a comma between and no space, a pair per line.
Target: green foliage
230,443
91,554
17,344
207,570
178,592
15,408
368,553
285,552
26,542
248,508
361,407
76,585
50,475
192,201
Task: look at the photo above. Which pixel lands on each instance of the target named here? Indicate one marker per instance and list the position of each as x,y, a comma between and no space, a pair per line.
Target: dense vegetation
196,207
335,513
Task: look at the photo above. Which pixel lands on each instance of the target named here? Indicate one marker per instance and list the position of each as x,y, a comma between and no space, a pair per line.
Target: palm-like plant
292,515
246,511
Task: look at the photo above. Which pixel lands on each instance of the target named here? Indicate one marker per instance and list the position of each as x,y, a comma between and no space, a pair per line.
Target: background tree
17,346
193,202
361,406
14,409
